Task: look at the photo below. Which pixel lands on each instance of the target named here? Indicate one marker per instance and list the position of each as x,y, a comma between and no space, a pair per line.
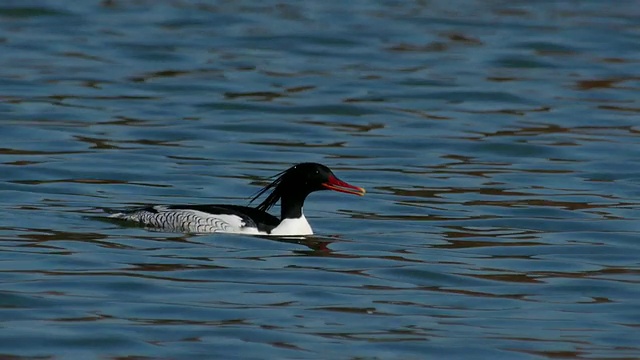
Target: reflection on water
497,139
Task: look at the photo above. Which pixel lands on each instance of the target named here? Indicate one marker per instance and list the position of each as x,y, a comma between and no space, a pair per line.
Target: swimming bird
291,187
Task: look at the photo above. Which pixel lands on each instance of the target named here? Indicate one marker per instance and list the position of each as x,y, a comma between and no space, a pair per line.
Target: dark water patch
496,143
339,110
30,12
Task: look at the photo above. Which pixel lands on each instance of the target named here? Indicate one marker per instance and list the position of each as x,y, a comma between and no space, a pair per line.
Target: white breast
288,227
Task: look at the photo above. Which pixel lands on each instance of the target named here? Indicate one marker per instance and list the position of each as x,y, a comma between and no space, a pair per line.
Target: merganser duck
291,188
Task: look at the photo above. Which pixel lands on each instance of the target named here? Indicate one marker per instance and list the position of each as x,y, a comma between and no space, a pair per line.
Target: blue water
498,143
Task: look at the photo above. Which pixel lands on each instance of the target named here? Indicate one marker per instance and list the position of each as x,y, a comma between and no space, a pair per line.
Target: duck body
290,188
202,218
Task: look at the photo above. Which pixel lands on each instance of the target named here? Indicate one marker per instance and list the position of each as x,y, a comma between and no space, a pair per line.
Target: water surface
498,143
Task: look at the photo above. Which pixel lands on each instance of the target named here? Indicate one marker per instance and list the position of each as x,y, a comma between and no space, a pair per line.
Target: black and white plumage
291,188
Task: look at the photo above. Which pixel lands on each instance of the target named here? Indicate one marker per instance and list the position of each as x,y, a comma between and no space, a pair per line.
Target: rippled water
498,142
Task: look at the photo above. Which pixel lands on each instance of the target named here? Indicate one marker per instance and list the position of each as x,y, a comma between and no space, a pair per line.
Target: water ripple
496,142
